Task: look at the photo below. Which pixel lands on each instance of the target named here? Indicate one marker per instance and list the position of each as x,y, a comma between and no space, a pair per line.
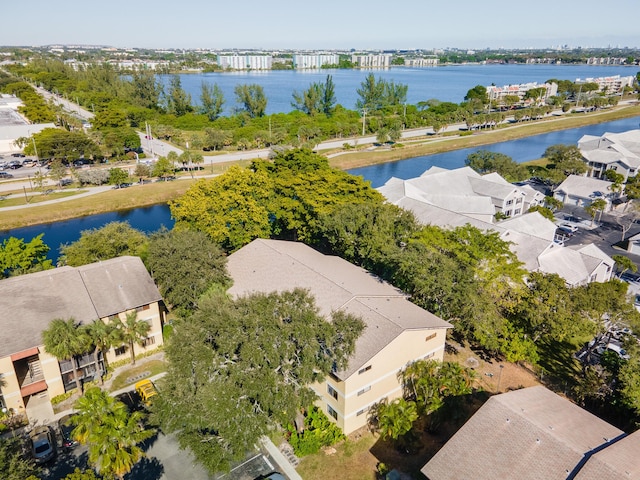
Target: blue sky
331,24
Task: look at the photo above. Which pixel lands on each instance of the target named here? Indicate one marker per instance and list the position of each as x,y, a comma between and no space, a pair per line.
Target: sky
329,24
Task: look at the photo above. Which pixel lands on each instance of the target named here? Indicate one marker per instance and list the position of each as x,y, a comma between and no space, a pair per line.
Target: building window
428,355
516,211
364,390
148,341
360,412
332,412
518,200
332,391
121,350
143,308
508,213
509,202
365,369
431,337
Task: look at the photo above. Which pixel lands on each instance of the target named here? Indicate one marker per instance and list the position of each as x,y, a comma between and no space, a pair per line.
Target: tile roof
86,293
277,266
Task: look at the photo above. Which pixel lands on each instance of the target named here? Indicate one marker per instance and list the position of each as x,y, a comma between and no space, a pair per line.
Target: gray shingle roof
277,266
527,434
30,302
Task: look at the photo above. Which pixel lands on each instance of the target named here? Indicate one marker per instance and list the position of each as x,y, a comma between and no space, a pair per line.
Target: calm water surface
448,83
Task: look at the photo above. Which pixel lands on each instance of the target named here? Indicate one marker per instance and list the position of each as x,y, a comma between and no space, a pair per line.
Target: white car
567,227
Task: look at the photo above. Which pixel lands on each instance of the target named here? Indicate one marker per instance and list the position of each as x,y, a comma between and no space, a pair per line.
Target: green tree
478,93
131,331
596,207
544,211
309,101
230,208
18,257
565,160
54,143
484,161
115,239
78,474
624,263
178,102
163,167
252,99
185,264
211,385
58,171
117,176
13,464
65,340
211,100
371,94
102,336
142,171
328,101
146,89
216,139
111,432
394,419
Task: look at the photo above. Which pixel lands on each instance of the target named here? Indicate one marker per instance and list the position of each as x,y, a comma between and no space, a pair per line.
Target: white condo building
303,62
245,62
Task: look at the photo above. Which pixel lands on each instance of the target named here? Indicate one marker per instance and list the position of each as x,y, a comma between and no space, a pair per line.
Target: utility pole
364,119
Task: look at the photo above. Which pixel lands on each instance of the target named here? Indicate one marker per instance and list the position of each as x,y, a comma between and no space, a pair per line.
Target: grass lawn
443,143
34,199
150,368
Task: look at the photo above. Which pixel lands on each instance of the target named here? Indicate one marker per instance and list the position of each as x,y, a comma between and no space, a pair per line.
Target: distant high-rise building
245,62
314,61
372,61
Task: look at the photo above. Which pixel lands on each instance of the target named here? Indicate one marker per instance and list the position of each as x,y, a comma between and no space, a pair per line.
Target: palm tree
65,340
396,418
132,331
112,434
102,336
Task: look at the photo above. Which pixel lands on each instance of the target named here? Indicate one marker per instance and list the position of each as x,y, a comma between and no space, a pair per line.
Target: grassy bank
123,199
439,144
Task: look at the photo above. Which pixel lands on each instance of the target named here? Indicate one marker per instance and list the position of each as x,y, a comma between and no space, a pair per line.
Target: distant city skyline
288,24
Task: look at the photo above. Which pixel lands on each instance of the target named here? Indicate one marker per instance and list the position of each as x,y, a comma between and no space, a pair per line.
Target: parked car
147,390
567,227
43,444
5,175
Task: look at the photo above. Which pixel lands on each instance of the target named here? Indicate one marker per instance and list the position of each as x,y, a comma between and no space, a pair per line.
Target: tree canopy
239,367
484,161
282,199
115,239
18,257
185,264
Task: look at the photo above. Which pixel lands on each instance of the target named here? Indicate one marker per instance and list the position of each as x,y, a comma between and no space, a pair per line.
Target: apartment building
421,62
372,61
245,62
619,152
99,291
309,62
612,84
497,94
397,332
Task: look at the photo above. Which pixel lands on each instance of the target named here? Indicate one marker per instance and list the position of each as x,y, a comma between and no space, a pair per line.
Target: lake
445,83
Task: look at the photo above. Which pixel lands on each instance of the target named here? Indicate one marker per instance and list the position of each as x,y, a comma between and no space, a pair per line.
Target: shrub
61,398
318,432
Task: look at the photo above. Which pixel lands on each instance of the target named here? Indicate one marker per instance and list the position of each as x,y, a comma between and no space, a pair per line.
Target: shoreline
338,158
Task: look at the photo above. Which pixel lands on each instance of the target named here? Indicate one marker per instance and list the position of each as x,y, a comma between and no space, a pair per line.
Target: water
146,219
447,83
522,150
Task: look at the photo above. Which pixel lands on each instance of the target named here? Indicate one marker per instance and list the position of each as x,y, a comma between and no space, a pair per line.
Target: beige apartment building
397,332
99,291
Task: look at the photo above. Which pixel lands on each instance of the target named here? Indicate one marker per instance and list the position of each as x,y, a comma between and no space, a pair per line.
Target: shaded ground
358,457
